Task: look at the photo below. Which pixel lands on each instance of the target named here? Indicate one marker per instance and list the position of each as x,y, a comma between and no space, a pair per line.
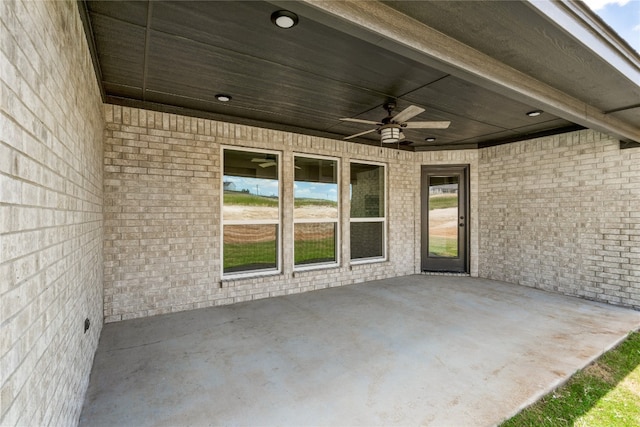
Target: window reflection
250,247
367,211
315,189
367,239
315,243
367,191
251,187
315,211
250,211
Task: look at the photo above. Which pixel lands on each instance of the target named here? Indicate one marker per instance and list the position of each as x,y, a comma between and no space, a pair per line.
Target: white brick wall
50,213
559,213
162,212
562,213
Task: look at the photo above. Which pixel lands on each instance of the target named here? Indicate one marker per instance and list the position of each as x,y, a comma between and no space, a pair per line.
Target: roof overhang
479,64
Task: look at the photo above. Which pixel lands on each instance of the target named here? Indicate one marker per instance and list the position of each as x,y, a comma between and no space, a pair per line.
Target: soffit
516,34
176,56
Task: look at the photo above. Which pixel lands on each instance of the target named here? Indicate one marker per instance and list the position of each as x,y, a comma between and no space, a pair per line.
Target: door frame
464,210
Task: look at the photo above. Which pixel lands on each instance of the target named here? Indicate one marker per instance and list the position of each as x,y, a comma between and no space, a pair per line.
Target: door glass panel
443,216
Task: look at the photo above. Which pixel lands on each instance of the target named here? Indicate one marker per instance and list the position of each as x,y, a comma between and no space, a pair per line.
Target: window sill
249,275
300,269
368,261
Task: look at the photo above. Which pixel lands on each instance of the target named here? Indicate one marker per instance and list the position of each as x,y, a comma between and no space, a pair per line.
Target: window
250,212
315,212
368,219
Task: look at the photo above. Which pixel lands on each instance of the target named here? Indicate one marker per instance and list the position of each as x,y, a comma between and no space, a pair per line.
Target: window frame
277,222
383,220
338,240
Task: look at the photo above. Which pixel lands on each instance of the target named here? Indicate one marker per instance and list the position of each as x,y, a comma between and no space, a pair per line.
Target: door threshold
445,273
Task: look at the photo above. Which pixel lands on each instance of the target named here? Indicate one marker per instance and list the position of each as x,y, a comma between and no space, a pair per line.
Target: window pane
367,240
250,247
250,186
314,243
315,189
367,191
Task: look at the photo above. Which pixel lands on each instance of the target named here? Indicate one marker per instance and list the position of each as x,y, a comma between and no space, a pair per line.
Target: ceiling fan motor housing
389,106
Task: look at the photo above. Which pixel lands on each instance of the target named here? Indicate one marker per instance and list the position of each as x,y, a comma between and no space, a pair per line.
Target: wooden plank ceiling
177,55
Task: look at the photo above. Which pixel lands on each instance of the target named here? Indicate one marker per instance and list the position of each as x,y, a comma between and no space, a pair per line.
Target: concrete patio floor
416,350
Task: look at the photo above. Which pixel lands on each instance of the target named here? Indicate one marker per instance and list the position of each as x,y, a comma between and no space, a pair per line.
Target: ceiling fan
266,163
390,128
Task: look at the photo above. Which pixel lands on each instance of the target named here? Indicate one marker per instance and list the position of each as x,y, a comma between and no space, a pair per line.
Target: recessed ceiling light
534,113
284,19
223,98
429,139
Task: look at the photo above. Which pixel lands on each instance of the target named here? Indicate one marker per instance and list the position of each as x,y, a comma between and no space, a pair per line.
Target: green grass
254,255
443,246
249,256
309,251
606,393
443,201
246,199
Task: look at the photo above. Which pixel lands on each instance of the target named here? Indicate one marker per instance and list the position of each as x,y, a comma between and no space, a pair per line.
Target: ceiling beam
390,29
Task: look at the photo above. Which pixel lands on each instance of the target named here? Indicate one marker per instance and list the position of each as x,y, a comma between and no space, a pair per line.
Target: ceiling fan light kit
390,134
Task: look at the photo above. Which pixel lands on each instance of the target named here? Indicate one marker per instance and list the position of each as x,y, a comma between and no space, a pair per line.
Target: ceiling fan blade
428,125
368,122
407,113
267,164
360,134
